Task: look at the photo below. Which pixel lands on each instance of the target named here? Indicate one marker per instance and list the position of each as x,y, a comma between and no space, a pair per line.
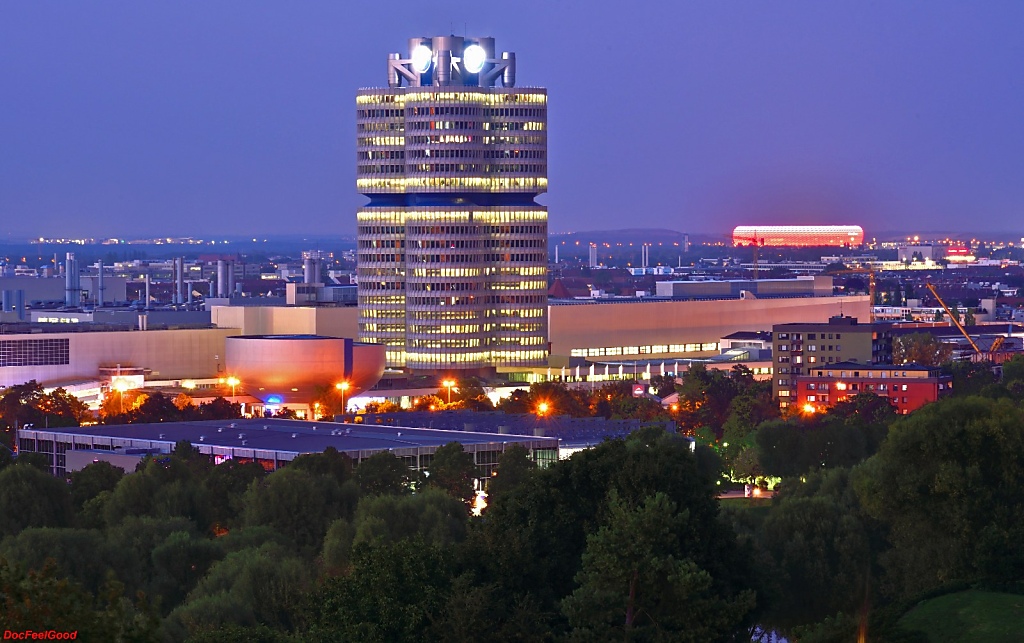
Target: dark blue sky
202,118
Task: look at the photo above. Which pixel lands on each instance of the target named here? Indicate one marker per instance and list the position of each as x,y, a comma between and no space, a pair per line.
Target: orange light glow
809,408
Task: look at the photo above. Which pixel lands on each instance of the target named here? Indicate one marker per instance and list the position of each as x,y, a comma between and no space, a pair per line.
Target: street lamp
342,386
233,382
448,384
542,408
121,386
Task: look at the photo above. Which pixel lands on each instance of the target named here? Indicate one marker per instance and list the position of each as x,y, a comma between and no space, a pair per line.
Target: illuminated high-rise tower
452,259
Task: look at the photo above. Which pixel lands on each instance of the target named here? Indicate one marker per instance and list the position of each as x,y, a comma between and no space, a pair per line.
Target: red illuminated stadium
798,235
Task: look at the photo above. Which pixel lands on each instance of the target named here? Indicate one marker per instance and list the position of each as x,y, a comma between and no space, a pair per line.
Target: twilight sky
230,118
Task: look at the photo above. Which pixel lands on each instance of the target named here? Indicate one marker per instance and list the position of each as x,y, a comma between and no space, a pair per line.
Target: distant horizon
886,235
128,118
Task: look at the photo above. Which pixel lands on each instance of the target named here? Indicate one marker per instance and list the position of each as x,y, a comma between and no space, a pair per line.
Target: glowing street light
121,386
233,382
448,384
342,386
542,408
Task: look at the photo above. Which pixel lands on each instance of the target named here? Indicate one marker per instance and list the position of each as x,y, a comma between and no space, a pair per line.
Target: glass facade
452,247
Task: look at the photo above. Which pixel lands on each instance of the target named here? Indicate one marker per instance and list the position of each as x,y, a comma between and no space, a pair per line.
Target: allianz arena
283,369
843,236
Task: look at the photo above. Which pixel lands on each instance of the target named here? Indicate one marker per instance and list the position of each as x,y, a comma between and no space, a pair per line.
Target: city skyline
132,120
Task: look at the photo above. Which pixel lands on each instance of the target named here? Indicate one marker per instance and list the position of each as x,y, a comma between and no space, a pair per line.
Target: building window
35,352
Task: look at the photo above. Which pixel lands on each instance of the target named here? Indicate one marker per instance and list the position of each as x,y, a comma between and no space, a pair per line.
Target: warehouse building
270,442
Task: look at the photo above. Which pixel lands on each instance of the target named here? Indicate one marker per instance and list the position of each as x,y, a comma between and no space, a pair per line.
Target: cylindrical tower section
443,71
70,273
181,280
394,79
446,286
99,284
231,277
517,258
508,77
222,278
307,271
381,272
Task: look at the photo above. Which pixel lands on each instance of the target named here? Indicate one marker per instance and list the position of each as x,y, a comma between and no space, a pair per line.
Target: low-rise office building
907,386
797,347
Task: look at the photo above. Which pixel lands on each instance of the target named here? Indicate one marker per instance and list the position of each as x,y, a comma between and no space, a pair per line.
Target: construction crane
755,243
956,322
870,272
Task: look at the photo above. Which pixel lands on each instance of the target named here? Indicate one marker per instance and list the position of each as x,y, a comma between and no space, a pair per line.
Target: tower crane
755,243
956,322
870,272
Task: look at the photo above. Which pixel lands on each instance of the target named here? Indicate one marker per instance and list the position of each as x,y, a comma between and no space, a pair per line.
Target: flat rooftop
288,436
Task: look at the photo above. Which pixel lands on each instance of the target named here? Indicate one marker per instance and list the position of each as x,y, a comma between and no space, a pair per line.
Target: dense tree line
181,549
625,541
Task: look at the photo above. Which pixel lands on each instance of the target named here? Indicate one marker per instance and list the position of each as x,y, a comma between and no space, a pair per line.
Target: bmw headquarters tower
452,258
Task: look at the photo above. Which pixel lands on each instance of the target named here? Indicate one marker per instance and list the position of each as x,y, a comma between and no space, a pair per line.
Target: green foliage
971,615
231,633
383,473
164,487
970,378
331,463
389,595
82,555
638,582
1013,369
561,400
298,504
39,600
920,348
89,482
515,468
31,498
226,485
452,470
432,516
818,547
533,540
27,403
850,432
947,482
179,562
133,541
248,588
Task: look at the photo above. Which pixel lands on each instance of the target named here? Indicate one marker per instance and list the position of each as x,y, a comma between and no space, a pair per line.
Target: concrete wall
641,323
170,354
288,320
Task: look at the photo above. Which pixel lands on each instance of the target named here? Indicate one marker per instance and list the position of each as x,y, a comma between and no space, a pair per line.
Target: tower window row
382,154
380,113
478,229
395,126
381,229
